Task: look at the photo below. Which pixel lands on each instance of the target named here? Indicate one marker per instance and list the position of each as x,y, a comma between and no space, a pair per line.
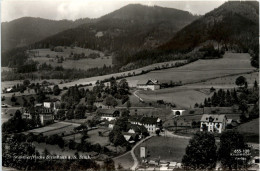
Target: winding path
138,96
133,154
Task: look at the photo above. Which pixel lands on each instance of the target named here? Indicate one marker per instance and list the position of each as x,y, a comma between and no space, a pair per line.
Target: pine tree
228,99
255,85
214,99
234,97
206,103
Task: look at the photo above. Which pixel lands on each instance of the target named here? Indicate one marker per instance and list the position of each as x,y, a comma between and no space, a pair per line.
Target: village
118,85
107,129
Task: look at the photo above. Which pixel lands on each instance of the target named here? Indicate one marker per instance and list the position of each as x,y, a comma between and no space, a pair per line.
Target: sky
75,9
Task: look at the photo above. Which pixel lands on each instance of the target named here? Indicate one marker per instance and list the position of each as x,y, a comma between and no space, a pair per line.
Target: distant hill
234,26
27,30
130,28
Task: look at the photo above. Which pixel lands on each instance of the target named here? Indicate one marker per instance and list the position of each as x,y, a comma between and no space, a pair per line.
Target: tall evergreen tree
228,99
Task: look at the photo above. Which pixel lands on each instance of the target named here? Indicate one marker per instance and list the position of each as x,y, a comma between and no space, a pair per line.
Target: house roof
51,100
38,105
107,111
144,120
213,118
138,128
146,82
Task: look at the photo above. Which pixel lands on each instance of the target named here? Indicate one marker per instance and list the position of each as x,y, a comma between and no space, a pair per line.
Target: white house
213,123
148,84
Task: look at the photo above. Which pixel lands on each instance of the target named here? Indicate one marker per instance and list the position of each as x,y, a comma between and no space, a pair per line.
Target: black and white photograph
128,85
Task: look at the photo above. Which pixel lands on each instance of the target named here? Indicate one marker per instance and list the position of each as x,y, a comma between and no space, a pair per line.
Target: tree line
202,152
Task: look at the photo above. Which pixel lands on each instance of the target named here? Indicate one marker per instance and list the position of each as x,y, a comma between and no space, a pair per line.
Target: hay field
184,98
94,137
83,64
225,82
231,63
52,127
167,148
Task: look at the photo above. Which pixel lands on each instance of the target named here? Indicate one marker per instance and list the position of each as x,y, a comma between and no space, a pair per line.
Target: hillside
27,30
126,30
234,26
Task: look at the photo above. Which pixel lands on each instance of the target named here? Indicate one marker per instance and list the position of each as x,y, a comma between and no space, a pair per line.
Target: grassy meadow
83,64
231,63
166,148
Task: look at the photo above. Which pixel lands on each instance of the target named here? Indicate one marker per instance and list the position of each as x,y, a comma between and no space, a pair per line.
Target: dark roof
108,111
148,82
144,120
138,128
52,100
213,118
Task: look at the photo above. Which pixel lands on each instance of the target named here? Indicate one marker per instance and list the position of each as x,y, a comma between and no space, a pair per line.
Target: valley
141,88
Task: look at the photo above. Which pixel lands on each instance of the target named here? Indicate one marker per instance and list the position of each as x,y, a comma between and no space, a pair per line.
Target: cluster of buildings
139,125
45,111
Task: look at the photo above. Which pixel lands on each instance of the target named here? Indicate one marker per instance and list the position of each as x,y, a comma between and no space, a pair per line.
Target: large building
109,114
148,84
213,123
150,123
46,116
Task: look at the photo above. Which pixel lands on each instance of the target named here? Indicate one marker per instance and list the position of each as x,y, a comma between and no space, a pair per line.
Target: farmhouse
213,123
148,84
150,123
109,114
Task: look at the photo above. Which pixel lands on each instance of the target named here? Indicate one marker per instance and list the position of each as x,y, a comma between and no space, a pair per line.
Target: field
55,149
7,113
165,148
200,76
94,137
66,52
231,63
86,63
83,64
250,130
131,84
224,82
183,98
56,128
7,84
125,161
